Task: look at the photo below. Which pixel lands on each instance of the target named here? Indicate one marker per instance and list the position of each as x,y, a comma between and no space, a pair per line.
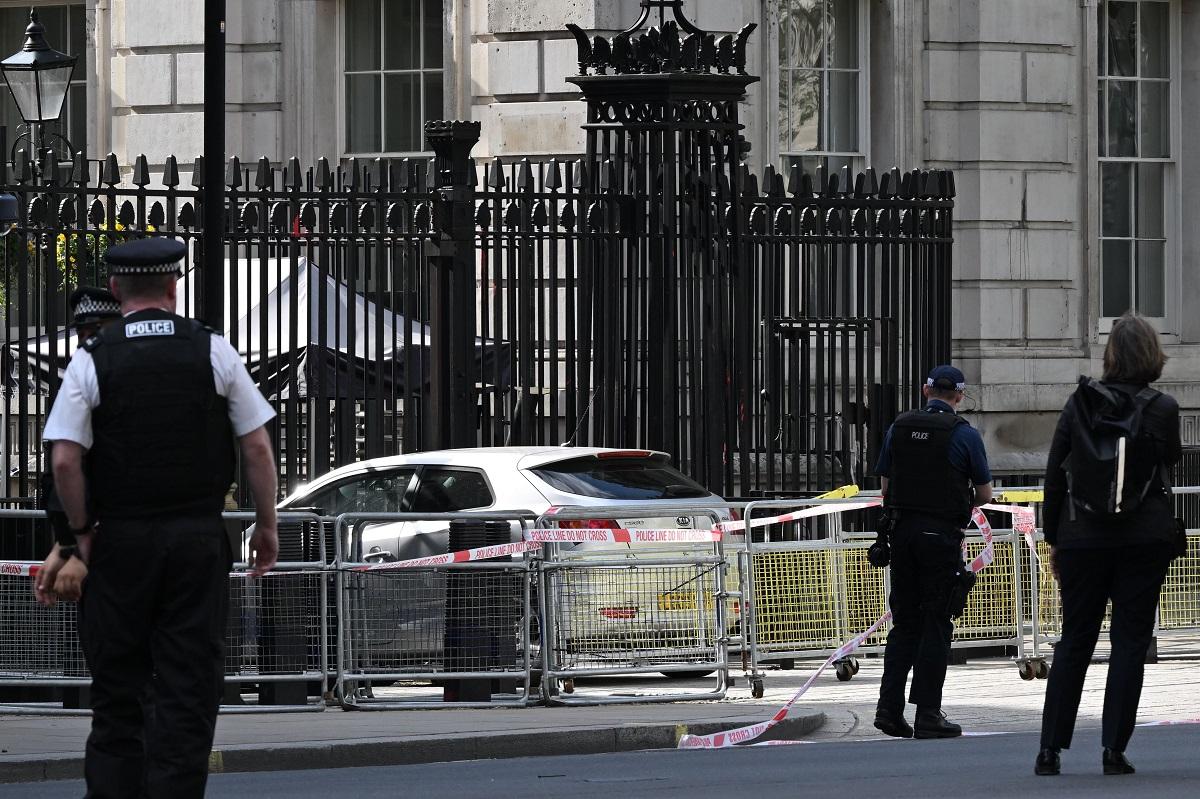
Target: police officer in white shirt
92,308
156,402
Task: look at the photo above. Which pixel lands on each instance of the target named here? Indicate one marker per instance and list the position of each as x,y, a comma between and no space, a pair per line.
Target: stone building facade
1063,121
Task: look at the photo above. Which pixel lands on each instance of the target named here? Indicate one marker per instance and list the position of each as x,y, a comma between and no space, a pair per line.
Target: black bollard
471,642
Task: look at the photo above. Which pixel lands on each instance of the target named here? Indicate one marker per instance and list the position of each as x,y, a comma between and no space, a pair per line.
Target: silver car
400,615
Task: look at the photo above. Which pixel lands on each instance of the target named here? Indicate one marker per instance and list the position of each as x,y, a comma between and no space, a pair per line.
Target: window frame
343,144
415,488
860,157
1169,324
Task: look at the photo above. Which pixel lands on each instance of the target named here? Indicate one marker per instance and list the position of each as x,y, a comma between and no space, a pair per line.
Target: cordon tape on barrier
807,513
631,536
743,735
19,569
462,556
1024,519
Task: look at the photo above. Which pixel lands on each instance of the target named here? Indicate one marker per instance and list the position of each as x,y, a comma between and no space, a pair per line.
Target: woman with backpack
1110,523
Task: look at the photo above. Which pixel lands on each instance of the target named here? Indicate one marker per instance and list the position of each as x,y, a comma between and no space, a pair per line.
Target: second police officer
156,402
934,470
92,308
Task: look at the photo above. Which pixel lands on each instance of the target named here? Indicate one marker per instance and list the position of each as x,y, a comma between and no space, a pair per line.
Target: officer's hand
43,581
69,585
264,549
1054,563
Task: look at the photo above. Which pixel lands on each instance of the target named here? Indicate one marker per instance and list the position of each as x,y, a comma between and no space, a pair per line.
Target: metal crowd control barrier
1179,601
995,612
277,632
1178,606
609,610
806,597
447,635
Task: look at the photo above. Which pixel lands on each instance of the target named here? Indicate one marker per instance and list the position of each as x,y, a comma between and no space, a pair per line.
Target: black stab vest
922,479
163,442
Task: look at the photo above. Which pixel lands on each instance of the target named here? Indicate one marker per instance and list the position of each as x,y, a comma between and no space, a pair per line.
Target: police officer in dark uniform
934,470
91,308
158,403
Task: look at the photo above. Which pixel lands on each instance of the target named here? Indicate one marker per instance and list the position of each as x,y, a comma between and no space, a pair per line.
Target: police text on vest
920,436
158,327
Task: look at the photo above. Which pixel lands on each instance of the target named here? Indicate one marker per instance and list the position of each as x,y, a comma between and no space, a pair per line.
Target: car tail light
627,612
589,524
625,453
735,515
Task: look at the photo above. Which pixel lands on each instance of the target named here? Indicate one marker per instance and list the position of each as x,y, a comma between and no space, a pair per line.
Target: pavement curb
433,749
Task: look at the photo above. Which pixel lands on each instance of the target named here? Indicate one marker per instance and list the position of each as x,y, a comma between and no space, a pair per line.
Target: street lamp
38,77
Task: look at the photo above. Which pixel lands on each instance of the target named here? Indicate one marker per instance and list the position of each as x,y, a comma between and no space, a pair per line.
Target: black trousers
1132,578
152,626
924,565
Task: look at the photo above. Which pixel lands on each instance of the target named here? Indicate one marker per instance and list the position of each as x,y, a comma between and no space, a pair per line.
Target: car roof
528,457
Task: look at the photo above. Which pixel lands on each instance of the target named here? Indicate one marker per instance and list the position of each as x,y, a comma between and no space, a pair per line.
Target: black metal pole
212,261
451,419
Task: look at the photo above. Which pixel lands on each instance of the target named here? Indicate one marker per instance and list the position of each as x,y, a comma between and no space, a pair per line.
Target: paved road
992,765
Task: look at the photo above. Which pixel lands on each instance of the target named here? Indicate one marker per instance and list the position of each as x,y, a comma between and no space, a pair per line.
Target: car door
445,489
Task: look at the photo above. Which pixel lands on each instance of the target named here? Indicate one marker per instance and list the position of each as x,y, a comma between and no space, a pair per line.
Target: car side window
377,492
448,490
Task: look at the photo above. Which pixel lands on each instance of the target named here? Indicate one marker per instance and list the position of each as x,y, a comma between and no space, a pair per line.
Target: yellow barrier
990,614
845,492
796,594
1179,603
1020,496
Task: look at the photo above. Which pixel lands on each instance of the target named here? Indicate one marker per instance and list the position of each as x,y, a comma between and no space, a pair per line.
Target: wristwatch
68,552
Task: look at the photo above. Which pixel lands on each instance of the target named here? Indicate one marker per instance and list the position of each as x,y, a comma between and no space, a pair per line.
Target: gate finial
662,49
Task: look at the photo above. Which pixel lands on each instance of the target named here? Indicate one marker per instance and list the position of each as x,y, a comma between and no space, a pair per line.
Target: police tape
722,740
586,535
18,568
988,554
462,556
806,513
1024,521
605,535
533,539
743,735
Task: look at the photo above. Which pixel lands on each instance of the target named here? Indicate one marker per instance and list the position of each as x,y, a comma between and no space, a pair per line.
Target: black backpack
1113,464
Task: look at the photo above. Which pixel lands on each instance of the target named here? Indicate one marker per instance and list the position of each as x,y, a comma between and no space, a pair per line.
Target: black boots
934,724
929,724
1048,763
891,723
1115,762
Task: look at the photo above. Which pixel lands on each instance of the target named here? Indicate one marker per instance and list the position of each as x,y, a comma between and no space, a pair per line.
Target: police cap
154,256
946,377
93,304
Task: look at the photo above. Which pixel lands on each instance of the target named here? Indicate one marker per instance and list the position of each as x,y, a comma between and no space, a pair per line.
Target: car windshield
620,478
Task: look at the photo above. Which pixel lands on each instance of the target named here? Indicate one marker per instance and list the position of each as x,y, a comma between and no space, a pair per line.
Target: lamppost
38,77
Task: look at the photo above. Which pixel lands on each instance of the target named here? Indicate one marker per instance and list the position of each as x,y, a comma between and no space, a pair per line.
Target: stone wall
156,57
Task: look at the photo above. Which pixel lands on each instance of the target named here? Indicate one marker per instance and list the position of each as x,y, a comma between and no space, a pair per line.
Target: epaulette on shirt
91,343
